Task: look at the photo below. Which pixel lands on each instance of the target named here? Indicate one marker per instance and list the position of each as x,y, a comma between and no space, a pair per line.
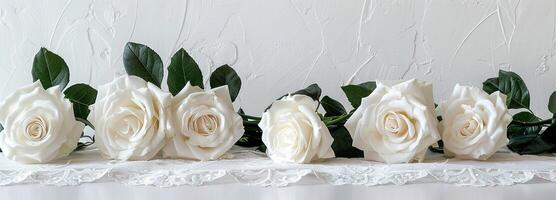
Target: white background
278,46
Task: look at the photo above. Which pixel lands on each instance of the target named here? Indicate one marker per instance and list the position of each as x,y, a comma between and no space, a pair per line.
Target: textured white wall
282,45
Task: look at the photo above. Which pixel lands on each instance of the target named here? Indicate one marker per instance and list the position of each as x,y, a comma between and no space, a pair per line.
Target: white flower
474,123
396,122
39,125
204,124
130,119
293,132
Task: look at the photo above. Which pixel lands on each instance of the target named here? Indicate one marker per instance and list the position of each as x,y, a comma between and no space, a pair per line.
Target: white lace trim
252,168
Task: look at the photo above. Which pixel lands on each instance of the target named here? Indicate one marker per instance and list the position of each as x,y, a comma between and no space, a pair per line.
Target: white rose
474,123
395,123
293,132
204,124
130,119
39,125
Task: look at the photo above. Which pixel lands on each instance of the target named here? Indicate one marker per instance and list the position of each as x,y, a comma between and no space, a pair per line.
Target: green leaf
225,75
516,129
183,69
81,96
437,147
552,103
512,86
332,107
312,91
342,144
491,85
521,135
519,143
355,93
261,148
252,135
50,69
83,145
250,138
536,144
142,61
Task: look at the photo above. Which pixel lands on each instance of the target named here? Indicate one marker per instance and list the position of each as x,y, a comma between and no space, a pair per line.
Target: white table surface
246,174
107,191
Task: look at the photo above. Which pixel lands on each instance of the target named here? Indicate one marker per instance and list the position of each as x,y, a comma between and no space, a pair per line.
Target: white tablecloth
247,174
427,191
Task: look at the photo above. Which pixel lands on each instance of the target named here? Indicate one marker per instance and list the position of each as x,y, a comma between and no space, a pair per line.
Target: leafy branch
525,131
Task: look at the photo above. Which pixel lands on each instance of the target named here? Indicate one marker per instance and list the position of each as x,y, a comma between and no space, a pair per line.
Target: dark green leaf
552,103
183,69
512,85
355,93
142,61
50,69
519,143
83,145
332,107
262,148
342,144
81,96
312,91
438,147
225,75
520,135
491,85
516,129
549,138
536,144
251,137
525,116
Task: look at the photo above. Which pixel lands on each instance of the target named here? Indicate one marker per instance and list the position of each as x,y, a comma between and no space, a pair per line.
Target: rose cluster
396,123
135,119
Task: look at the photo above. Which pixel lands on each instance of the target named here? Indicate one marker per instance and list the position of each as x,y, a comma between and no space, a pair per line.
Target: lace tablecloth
250,167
